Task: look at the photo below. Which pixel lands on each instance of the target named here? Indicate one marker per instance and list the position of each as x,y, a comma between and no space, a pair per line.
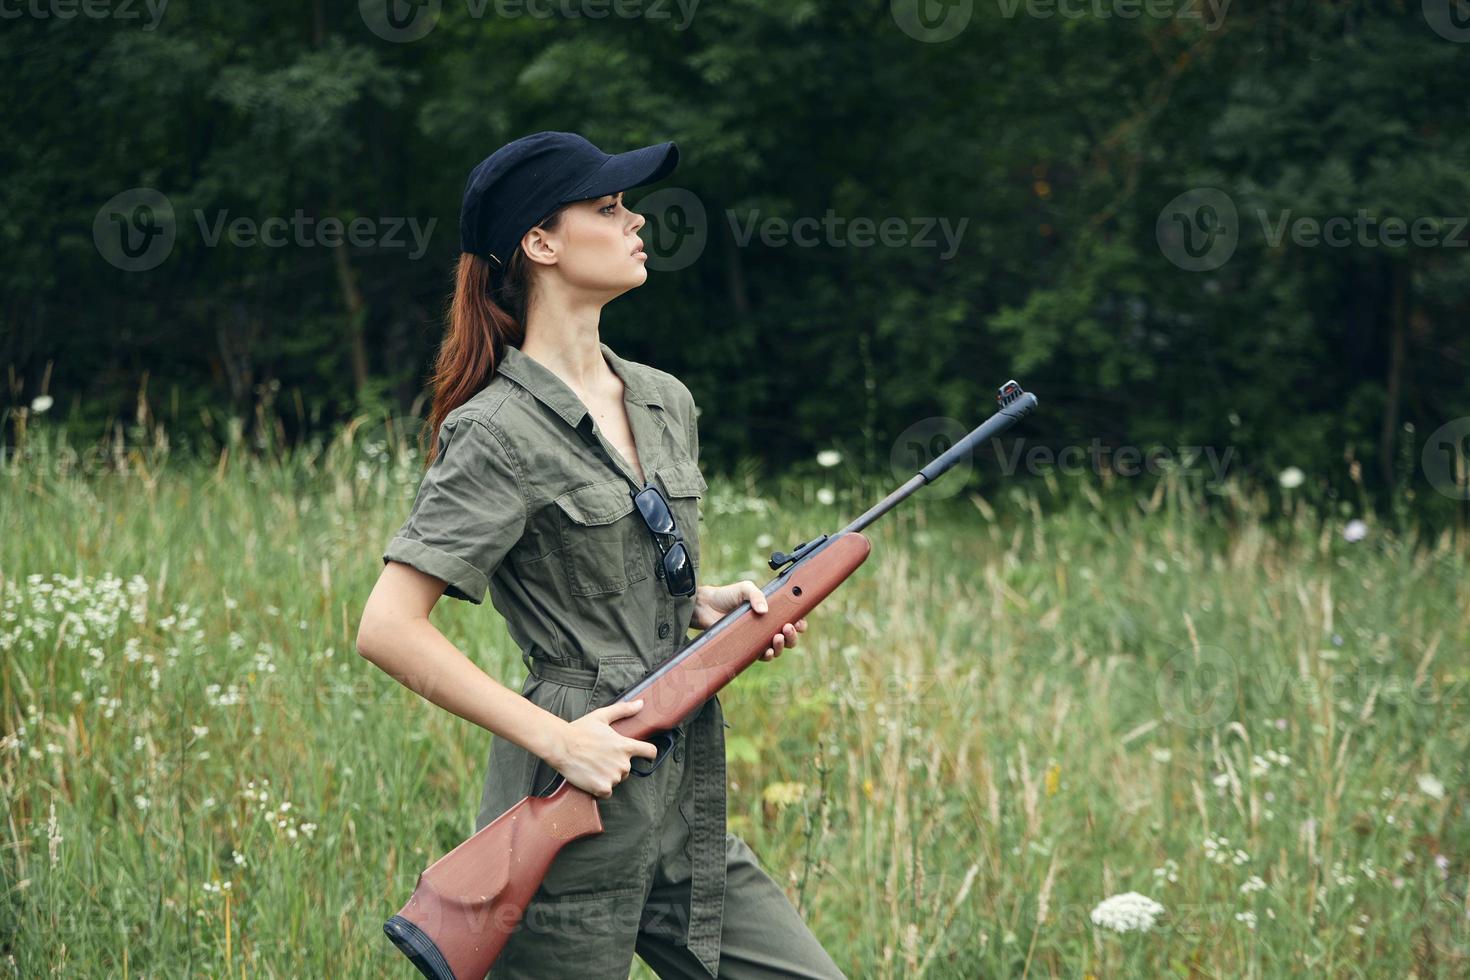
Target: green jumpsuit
528,499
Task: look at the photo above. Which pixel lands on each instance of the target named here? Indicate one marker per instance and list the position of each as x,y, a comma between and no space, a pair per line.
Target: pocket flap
597,503
683,479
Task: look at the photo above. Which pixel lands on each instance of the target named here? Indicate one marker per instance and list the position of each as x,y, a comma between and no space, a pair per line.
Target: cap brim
631,169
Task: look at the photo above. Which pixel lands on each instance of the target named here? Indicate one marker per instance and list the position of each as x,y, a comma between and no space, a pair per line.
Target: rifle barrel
998,423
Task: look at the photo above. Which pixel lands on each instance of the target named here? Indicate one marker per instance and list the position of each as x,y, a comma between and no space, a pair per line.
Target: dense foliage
1032,166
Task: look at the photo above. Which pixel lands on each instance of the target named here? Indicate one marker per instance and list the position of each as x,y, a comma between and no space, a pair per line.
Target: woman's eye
611,206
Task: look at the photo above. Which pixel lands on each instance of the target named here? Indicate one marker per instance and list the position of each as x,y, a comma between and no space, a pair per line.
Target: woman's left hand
712,602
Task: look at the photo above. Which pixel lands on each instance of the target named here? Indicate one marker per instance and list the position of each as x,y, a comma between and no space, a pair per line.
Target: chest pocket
683,485
599,546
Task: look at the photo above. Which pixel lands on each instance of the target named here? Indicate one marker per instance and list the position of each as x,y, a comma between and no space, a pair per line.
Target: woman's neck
565,338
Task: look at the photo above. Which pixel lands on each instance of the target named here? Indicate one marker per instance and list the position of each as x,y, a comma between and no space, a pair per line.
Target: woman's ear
540,246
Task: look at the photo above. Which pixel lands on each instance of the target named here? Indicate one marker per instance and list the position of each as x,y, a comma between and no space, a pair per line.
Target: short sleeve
468,514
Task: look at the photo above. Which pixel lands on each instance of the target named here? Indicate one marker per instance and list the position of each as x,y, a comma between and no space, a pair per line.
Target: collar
552,391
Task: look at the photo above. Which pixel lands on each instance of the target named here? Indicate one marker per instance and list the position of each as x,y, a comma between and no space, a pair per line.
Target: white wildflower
828,457
1431,787
41,403
1355,531
1253,884
1249,918
1128,912
1291,478
825,495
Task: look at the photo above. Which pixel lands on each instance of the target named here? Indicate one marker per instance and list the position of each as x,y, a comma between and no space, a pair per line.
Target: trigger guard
669,738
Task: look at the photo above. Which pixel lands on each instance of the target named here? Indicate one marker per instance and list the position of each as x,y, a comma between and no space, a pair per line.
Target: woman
542,438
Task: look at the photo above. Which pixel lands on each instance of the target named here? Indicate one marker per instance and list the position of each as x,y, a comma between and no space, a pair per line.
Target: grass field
1017,708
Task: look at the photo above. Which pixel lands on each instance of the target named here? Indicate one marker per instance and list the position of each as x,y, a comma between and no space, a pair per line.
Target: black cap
521,183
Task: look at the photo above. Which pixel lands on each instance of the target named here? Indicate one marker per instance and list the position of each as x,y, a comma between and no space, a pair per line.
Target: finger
753,594
622,709
645,749
768,654
801,625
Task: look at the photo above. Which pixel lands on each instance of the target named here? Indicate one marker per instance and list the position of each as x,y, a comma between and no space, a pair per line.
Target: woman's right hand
595,758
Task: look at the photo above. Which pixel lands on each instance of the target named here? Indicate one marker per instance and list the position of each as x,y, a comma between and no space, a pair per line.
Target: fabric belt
557,674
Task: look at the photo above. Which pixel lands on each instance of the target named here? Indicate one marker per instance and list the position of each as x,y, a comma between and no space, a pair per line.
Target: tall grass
1017,708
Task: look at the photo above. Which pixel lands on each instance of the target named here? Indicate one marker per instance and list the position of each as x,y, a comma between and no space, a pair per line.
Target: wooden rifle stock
466,904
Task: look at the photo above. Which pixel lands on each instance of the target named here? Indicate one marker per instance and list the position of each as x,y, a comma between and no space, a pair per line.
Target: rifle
466,904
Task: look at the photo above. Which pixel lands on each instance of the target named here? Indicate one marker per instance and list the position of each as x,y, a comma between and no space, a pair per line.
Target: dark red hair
480,323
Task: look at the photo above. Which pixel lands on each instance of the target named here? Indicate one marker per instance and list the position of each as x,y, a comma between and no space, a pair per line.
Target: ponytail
481,320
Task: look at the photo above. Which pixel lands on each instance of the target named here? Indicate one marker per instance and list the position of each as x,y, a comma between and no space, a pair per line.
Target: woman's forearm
418,656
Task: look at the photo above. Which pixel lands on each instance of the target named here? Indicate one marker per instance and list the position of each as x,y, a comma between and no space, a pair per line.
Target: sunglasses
678,572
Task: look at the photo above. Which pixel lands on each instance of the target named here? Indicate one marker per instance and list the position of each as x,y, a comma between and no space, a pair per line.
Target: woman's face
595,246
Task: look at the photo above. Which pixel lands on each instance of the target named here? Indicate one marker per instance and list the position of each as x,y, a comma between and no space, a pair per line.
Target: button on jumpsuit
528,499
